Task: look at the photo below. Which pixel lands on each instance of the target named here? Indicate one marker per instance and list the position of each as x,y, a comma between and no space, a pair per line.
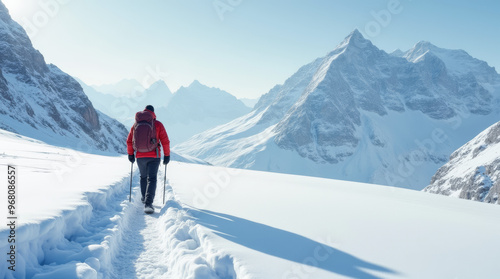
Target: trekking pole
131,169
164,183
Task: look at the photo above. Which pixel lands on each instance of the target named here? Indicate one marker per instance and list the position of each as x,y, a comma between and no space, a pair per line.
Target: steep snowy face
362,114
196,108
279,99
41,101
357,78
327,113
458,62
465,81
473,171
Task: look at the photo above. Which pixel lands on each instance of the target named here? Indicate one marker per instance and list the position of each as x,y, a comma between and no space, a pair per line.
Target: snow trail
139,250
167,243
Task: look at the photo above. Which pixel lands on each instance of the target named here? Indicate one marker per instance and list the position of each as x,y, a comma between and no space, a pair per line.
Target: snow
360,114
230,223
190,110
245,143
472,171
458,62
41,101
122,100
196,108
320,228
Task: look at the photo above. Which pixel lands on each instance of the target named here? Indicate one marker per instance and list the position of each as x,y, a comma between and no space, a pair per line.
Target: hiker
146,138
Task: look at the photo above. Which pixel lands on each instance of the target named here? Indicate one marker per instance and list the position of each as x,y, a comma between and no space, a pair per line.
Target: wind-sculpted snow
473,171
41,101
361,114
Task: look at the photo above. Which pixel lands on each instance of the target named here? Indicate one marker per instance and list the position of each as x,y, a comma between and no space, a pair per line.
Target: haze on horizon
243,47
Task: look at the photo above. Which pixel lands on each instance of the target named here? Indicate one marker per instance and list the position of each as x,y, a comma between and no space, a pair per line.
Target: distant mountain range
362,114
128,97
43,102
125,87
190,110
197,108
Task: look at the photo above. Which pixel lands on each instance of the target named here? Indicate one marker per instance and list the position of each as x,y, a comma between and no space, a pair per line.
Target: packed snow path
165,244
140,254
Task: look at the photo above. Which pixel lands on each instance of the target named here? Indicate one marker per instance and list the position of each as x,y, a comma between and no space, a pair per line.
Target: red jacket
161,134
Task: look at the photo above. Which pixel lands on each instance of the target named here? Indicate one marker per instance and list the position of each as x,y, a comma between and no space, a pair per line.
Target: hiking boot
148,209
143,200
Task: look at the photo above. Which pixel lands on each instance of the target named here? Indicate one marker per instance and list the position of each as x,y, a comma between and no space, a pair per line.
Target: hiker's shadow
287,245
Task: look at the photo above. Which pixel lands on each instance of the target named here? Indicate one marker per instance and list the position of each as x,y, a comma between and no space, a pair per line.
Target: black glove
166,159
131,158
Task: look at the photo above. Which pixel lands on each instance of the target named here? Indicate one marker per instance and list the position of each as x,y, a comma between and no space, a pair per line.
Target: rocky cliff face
41,101
473,171
362,114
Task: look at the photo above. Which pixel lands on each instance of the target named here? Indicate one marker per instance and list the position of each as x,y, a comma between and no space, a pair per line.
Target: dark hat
150,107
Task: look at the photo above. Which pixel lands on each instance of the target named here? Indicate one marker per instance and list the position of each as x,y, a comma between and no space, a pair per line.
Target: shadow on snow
287,245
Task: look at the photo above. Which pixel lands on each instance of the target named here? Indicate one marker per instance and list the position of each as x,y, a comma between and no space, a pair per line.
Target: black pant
149,170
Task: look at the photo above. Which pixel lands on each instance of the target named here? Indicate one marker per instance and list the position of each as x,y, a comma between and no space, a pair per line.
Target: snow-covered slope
197,108
41,101
229,223
361,114
72,209
473,171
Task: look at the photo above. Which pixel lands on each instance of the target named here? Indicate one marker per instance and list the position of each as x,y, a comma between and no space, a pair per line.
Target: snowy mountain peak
417,52
398,53
355,36
159,92
158,84
196,84
352,115
354,40
458,62
424,45
196,108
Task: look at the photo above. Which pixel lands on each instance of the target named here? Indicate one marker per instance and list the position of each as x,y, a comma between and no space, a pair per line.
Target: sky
242,46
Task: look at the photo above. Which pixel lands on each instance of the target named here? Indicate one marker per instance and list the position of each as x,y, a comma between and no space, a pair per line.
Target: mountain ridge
342,113
473,170
41,101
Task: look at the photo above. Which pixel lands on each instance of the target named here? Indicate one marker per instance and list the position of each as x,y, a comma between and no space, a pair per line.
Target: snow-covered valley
298,187
75,221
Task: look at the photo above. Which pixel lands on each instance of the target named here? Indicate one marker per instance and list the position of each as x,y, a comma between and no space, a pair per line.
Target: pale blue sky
244,46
